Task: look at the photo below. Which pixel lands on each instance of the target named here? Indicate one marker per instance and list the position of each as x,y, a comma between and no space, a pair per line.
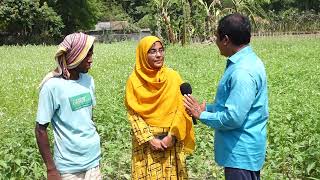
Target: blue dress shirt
240,112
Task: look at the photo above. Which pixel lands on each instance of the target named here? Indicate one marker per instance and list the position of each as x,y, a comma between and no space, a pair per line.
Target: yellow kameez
155,107
154,165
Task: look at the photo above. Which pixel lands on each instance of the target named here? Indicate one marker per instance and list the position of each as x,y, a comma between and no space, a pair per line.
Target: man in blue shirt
240,111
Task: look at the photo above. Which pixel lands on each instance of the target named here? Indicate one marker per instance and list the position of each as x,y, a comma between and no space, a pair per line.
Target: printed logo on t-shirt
80,101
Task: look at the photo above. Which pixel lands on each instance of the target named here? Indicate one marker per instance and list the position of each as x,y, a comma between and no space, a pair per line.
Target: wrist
199,114
199,117
52,168
170,133
171,137
151,140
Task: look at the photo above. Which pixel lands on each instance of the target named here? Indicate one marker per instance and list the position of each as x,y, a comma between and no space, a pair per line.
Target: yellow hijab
155,95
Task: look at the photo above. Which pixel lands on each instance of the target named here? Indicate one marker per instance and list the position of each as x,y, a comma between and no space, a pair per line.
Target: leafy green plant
293,127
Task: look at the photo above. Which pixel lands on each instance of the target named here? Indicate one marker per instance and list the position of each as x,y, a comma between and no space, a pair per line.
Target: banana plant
213,11
162,7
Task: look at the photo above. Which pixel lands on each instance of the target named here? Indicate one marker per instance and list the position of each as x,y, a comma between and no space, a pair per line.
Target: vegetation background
176,21
292,65
293,69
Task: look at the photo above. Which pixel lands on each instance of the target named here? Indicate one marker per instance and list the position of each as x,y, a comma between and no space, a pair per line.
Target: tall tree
136,9
114,11
27,18
77,14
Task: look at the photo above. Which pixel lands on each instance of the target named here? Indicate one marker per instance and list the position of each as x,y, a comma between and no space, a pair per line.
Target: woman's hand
157,144
169,141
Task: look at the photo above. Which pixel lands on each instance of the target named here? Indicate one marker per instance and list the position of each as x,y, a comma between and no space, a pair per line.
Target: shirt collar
238,55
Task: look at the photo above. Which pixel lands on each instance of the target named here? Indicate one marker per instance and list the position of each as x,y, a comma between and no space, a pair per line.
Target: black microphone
185,89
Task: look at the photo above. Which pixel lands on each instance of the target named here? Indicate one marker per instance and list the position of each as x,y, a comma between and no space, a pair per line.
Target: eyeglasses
153,52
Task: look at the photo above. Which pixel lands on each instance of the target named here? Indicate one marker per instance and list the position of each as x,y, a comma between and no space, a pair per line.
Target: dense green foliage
77,14
174,20
189,20
26,19
293,71
40,21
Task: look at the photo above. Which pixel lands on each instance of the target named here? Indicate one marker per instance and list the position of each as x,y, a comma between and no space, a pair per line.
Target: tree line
173,20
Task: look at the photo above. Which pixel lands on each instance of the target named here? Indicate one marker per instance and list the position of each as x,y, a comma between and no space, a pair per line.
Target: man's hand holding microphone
192,106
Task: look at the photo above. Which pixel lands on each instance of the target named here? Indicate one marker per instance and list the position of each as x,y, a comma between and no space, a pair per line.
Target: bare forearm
44,146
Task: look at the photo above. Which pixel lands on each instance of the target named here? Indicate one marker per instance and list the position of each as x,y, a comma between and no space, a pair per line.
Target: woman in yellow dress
162,132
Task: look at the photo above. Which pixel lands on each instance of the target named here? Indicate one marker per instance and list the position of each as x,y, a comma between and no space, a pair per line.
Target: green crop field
293,68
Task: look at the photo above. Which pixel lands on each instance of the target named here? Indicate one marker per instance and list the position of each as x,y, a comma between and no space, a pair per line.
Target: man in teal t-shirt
66,100
239,113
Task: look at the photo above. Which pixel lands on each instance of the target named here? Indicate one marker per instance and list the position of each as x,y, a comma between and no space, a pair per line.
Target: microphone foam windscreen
185,88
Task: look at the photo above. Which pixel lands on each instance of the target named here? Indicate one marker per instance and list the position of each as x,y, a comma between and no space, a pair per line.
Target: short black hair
237,27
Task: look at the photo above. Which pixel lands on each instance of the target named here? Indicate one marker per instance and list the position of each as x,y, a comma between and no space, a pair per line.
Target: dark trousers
240,174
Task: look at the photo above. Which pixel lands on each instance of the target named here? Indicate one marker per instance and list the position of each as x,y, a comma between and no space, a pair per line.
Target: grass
293,69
